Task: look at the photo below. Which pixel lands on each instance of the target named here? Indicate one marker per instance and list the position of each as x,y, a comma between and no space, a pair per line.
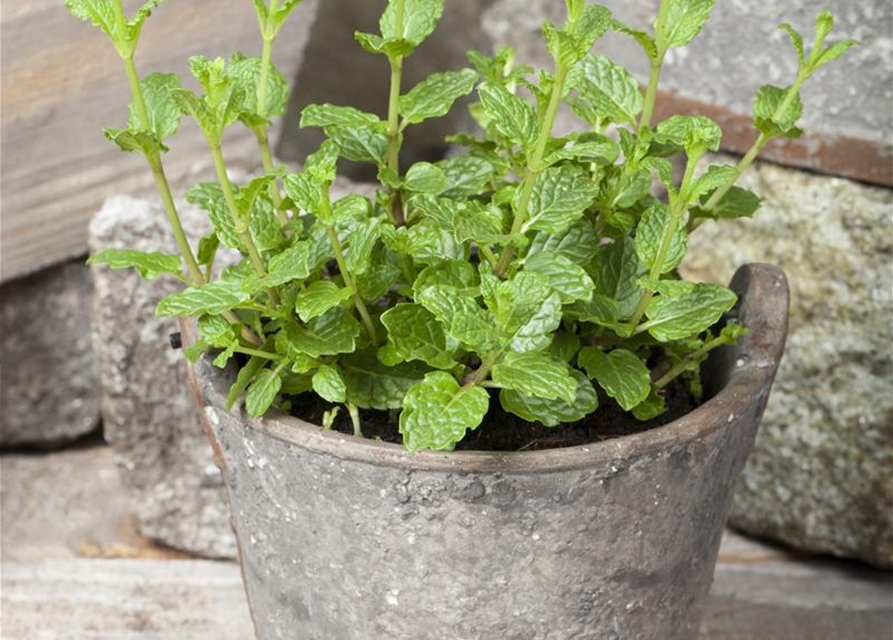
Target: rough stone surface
148,411
739,50
352,539
48,377
821,476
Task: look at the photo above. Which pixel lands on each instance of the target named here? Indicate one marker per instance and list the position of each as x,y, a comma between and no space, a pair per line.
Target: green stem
342,266
533,166
164,190
393,131
481,373
354,412
651,93
257,352
266,156
680,367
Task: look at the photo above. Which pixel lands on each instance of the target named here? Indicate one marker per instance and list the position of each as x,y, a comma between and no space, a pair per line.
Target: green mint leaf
207,248
372,385
424,177
824,23
291,264
150,265
578,243
832,53
247,196
415,334
420,17
649,237
305,191
716,176
612,91
213,298
318,298
602,151
514,117
216,332
163,112
142,141
678,317
329,115
796,41
568,279
245,73
651,407
332,333
465,175
560,44
437,412
434,96
360,145
645,40
696,134
736,203
537,375
264,225
769,120
209,196
600,309
683,22
560,196
262,392
551,413
457,274
460,316
430,243
617,269
329,384
592,24
621,373
363,237
99,12
243,379
527,312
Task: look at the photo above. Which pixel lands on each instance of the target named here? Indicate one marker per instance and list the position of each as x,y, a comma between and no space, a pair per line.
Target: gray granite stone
821,476
48,376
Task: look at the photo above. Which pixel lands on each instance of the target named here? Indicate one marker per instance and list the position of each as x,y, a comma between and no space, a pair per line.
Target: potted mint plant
413,396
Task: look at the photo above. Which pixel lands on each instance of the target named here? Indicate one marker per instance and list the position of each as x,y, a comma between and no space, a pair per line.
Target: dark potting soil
502,431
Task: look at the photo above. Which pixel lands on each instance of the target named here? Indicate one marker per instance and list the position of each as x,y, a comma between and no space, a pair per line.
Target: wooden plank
62,81
822,152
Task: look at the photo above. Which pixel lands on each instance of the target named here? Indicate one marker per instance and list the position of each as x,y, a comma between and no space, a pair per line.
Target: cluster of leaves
541,266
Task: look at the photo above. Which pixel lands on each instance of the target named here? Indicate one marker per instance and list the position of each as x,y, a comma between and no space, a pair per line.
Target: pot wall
350,539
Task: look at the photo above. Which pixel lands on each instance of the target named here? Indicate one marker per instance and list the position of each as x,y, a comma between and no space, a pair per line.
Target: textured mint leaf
142,141
736,203
243,379
213,298
381,277
216,331
537,375
561,45
318,298
163,111
716,176
683,23
262,392
621,373
551,413
245,73
150,265
430,243
568,279
329,385
796,41
469,220
645,40
99,12
695,134
458,274
248,195
264,225
415,334
513,117
651,407
592,24
329,115
321,165
559,198
832,53
460,316
611,90
767,117
360,145
304,191
616,271
678,317
424,177
527,312
465,175
564,346
600,309
209,196
291,264
420,17
372,385
650,234
332,333
578,243
363,237
207,248
434,96
437,412
602,151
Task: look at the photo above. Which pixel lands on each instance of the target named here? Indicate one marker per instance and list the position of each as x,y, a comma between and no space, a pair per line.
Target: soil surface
502,431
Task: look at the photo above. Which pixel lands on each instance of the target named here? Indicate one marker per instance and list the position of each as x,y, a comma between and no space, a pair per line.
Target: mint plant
543,267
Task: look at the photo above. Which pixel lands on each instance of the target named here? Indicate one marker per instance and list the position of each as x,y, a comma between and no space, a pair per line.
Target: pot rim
763,309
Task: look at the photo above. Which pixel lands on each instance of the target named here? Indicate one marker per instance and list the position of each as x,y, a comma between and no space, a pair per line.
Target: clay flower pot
343,538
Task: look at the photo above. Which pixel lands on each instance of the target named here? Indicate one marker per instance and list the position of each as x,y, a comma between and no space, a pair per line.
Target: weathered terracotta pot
350,539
